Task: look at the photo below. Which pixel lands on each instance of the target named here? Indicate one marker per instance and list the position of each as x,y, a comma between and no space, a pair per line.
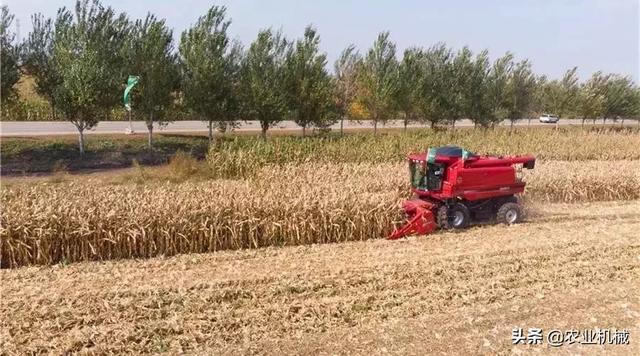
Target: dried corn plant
243,157
280,205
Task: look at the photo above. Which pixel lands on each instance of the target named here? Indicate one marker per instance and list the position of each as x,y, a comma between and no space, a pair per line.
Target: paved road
42,128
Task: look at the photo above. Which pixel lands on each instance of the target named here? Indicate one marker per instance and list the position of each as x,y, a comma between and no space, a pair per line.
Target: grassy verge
36,155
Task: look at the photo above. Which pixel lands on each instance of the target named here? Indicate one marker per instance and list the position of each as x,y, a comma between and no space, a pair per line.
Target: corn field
290,204
243,156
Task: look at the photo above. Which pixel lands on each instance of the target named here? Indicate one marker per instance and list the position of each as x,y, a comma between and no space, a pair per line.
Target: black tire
510,213
455,217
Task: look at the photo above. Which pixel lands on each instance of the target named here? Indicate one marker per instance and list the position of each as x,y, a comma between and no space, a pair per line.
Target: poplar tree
308,83
88,55
263,80
210,64
378,81
150,56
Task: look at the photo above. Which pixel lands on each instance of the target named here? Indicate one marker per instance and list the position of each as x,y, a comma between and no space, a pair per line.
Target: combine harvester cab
453,187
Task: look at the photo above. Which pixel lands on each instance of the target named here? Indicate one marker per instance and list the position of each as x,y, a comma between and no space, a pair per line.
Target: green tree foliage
88,55
263,78
378,81
345,69
210,62
521,88
150,55
38,57
452,86
590,101
408,93
560,95
538,105
462,80
436,103
80,59
619,98
475,105
636,111
9,55
309,86
497,99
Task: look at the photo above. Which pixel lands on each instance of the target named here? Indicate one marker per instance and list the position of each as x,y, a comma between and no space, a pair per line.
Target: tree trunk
529,121
622,122
583,119
453,124
604,121
432,124
341,125
375,127
81,140
405,124
511,126
264,127
150,134
210,132
130,122
304,130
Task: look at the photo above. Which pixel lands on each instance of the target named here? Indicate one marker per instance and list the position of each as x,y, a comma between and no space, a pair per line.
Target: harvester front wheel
509,213
453,217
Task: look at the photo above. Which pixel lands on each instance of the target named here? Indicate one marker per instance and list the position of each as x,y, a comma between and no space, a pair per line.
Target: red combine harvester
454,187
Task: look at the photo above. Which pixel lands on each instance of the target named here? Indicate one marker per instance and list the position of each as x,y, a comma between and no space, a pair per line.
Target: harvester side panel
483,178
474,195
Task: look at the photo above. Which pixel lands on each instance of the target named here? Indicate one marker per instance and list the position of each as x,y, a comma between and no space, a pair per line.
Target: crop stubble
572,266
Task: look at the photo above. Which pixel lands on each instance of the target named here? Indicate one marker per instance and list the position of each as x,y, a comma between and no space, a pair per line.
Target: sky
555,35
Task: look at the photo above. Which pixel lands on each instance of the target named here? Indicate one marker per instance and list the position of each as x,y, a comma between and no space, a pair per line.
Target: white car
547,118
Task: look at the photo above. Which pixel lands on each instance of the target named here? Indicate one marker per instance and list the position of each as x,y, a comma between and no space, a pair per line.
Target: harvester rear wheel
455,216
509,213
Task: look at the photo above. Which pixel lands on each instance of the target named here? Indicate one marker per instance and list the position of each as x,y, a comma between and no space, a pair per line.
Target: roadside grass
22,155
181,167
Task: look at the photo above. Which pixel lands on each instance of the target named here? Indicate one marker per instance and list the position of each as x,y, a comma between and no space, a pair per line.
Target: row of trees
80,60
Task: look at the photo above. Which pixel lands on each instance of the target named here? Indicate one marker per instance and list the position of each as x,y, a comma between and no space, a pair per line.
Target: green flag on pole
131,82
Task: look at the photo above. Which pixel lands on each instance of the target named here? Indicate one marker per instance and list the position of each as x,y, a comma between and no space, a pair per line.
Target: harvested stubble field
572,266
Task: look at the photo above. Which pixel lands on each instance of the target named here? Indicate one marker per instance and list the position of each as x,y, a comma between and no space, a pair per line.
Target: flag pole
130,123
